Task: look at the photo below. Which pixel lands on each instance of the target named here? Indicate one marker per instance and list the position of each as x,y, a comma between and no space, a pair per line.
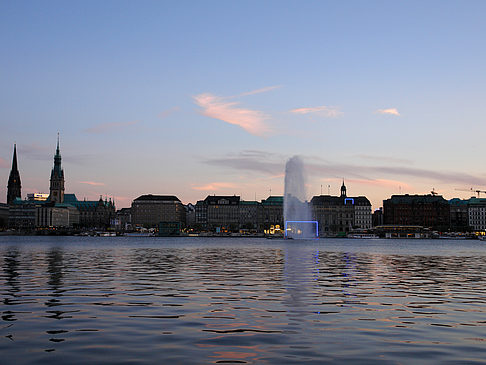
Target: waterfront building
334,214
92,213
362,213
149,210
3,215
271,213
459,215
57,216
57,178
222,212
341,214
378,217
14,187
190,215
22,214
249,212
123,219
201,215
417,210
477,213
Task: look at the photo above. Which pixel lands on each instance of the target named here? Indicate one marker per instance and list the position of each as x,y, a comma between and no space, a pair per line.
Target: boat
362,235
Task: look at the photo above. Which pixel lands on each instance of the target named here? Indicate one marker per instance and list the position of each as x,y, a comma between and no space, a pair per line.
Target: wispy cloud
36,151
215,186
107,127
168,112
326,111
384,159
259,91
260,162
380,182
92,183
389,111
252,121
3,163
251,160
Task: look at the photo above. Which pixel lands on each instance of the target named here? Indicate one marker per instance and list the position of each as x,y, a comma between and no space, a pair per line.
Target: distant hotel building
149,210
228,213
431,211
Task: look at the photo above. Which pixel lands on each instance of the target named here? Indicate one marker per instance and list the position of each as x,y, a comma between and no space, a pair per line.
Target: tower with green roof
57,178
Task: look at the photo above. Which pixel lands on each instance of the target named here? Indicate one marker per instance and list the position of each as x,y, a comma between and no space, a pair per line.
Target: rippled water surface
198,300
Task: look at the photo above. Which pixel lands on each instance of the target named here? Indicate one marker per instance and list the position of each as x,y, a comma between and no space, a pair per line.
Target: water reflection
239,302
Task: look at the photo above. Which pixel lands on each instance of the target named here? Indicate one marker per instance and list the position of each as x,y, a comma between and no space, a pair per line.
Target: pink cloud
381,182
92,183
389,111
327,111
215,186
252,121
106,127
3,163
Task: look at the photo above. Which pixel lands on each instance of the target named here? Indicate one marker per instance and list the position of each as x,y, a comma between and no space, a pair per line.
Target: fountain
297,211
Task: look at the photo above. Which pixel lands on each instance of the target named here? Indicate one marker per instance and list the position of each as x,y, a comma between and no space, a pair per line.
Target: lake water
215,300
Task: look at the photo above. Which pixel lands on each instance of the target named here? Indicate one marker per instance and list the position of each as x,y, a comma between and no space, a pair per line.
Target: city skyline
199,99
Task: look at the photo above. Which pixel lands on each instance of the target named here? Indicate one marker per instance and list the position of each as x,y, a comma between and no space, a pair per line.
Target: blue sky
194,98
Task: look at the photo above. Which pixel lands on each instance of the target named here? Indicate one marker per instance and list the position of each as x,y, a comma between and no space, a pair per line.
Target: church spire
14,186
57,178
343,190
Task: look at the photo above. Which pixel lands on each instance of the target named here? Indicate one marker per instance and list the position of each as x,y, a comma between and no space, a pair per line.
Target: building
459,215
190,215
123,220
149,210
249,215
14,187
431,211
362,213
3,215
223,212
334,214
22,214
92,213
477,213
57,216
201,215
378,217
271,213
341,214
57,178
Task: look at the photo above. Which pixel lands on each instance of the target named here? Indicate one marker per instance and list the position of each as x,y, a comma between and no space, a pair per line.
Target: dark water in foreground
194,300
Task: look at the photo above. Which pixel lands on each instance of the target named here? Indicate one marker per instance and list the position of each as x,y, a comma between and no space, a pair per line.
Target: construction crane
473,191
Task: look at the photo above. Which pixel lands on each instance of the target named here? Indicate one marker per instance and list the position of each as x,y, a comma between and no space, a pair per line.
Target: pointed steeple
14,160
343,190
14,185
57,178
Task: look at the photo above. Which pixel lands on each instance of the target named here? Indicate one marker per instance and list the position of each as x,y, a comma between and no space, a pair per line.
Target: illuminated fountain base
301,229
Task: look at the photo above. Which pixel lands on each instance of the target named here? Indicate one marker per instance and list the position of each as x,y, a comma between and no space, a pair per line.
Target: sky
194,98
